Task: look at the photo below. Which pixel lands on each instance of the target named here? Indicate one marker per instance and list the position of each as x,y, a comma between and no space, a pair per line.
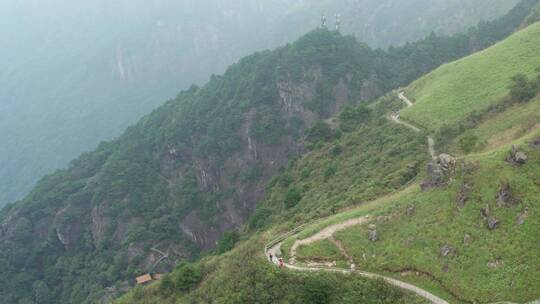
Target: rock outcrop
446,250
409,210
463,195
505,198
522,216
491,222
439,171
517,157
373,234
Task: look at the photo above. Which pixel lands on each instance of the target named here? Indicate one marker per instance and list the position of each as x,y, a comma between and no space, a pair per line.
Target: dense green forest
196,167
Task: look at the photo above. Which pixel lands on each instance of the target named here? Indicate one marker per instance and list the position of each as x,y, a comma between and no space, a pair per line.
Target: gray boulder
439,171
505,197
466,239
409,211
373,235
447,162
446,250
517,157
492,223
523,216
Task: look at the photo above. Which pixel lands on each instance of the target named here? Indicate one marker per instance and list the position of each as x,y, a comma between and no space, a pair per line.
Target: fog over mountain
74,73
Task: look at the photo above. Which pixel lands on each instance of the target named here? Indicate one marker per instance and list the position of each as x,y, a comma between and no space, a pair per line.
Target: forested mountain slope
78,72
469,235
197,166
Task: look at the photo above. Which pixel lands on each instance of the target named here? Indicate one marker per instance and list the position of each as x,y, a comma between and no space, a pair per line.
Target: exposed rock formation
523,216
446,250
440,170
409,210
491,221
466,239
505,197
373,234
517,157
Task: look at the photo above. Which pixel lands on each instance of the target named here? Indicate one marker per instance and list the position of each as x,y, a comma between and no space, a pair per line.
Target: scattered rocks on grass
466,239
495,264
492,223
523,216
485,212
446,268
409,211
373,234
505,197
446,250
517,157
408,241
463,195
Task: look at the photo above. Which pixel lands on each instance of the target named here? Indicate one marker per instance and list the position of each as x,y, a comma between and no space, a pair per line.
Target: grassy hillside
484,265
441,238
454,90
243,276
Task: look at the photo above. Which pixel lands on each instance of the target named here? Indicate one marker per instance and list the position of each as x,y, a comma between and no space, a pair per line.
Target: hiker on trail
281,264
270,257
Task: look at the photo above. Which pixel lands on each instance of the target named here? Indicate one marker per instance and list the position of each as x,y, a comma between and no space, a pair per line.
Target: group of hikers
276,260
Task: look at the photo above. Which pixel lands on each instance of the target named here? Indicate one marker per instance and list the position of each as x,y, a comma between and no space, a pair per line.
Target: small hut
144,279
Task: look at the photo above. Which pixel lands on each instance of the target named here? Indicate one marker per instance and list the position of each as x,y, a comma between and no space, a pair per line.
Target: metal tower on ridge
338,22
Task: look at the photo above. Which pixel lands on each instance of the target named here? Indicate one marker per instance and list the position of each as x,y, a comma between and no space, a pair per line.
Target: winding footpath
274,248
396,118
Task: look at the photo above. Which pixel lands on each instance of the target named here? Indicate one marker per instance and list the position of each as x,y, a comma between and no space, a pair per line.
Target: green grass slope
454,90
484,265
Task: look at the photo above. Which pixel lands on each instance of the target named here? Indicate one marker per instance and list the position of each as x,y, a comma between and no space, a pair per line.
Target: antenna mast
338,22
323,21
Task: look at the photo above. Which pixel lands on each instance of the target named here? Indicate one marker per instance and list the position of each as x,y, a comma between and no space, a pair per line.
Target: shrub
336,150
187,277
258,219
468,143
330,170
521,89
292,198
350,117
228,241
306,172
285,179
317,291
166,284
321,131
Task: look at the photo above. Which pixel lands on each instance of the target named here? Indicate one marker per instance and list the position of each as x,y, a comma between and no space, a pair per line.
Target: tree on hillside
521,89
